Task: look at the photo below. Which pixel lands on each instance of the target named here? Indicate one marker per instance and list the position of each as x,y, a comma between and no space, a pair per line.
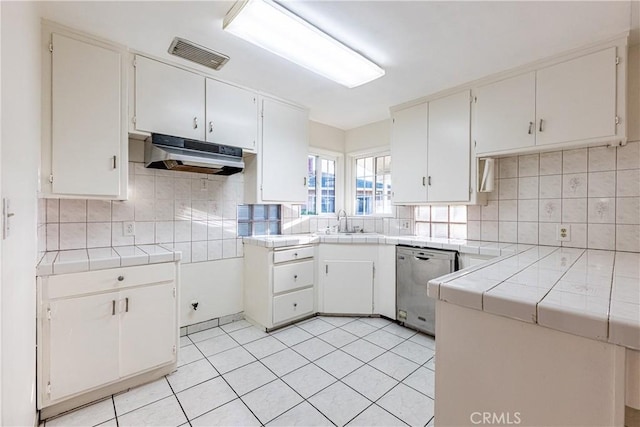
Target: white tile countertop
591,293
463,246
75,261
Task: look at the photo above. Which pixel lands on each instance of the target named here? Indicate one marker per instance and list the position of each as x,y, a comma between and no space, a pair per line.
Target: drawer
292,305
292,254
295,275
72,284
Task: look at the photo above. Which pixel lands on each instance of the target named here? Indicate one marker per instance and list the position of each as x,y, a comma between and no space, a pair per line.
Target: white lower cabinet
81,346
147,328
292,305
347,287
98,328
357,279
278,284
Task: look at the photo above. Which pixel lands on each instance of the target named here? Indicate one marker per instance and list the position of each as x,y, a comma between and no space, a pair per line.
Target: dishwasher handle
422,258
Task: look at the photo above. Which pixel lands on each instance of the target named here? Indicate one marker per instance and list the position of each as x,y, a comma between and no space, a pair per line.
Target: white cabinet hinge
51,178
135,63
50,47
49,313
133,119
374,270
617,60
174,292
262,113
617,120
326,269
174,349
49,387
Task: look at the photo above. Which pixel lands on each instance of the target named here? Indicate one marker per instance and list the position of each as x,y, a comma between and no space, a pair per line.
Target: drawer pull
295,277
120,278
295,254
126,304
113,307
295,304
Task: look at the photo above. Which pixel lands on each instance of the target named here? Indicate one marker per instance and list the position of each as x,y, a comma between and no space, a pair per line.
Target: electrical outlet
405,225
563,233
129,228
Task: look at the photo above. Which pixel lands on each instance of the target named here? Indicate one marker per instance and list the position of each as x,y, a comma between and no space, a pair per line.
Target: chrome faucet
343,213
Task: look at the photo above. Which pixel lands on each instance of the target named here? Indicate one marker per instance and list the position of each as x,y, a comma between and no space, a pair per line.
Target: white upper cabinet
505,114
576,99
232,115
409,154
84,136
169,100
431,151
284,151
449,153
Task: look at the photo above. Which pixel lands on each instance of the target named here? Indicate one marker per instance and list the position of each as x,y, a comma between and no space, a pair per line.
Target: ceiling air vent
198,54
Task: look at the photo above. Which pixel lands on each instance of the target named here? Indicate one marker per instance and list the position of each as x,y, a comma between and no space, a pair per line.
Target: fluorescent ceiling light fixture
274,28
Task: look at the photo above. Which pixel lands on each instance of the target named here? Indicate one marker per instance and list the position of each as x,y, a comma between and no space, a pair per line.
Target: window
321,198
449,222
373,185
259,220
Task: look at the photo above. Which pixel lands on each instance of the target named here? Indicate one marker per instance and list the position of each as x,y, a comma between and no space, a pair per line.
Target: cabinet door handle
113,307
541,129
305,181
295,254
195,123
530,128
210,127
115,162
424,179
120,278
295,277
126,304
429,180
295,304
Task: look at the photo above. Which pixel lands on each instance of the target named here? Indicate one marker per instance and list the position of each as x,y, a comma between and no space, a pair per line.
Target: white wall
633,93
373,135
216,285
21,83
326,137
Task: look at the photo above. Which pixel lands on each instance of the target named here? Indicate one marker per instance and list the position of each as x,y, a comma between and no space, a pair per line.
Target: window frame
338,159
350,190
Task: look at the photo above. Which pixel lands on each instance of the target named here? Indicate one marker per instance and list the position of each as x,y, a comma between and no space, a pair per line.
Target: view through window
373,185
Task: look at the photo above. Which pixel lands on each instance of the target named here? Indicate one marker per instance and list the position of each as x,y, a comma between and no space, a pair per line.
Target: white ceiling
424,46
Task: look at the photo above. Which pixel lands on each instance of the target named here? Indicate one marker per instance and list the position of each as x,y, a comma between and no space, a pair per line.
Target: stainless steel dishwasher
414,268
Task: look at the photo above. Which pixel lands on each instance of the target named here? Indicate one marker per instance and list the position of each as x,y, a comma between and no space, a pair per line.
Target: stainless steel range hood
181,154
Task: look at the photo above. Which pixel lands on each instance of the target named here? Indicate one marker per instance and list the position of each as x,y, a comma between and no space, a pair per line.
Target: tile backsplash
194,213
596,191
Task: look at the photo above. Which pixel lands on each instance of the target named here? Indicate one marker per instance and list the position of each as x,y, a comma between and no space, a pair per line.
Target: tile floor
321,372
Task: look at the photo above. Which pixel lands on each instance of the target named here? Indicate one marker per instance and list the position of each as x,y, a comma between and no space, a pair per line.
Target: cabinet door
86,131
285,147
409,155
347,287
169,100
148,330
449,152
81,346
232,115
576,99
505,114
